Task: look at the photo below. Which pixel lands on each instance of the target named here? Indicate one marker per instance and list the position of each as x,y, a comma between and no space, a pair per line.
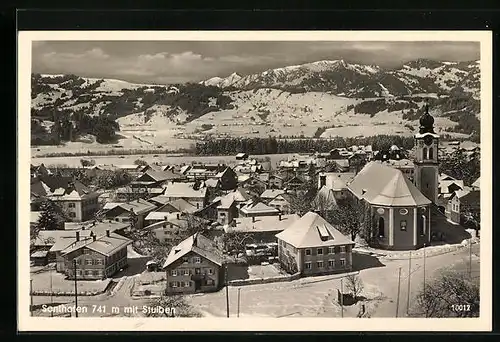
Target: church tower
426,157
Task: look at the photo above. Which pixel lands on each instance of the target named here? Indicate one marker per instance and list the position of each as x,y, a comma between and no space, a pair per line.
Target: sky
164,62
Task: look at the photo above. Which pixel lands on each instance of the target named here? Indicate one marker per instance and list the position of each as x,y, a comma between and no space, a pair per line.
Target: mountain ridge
322,95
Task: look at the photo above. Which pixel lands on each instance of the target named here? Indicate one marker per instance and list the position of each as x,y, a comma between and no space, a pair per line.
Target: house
228,205
180,205
463,203
447,188
399,214
194,265
39,170
312,246
98,228
174,207
227,209
357,160
337,182
75,198
269,194
282,202
213,183
227,178
203,171
294,183
258,209
187,191
261,229
342,165
241,156
275,181
47,239
130,193
94,257
123,212
156,178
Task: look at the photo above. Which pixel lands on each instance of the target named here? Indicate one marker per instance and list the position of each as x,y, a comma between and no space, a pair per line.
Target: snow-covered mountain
335,97
364,81
223,82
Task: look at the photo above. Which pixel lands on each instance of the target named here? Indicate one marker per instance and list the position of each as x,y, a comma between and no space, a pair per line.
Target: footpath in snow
428,251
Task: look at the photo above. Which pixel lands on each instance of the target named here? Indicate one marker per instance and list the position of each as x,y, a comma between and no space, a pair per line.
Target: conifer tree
49,218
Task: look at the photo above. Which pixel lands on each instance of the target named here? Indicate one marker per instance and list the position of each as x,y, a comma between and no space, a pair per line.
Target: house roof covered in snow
105,245
337,181
261,223
311,230
184,190
197,244
258,208
271,193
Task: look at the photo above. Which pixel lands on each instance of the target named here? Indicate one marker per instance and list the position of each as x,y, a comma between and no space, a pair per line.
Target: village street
308,297
315,296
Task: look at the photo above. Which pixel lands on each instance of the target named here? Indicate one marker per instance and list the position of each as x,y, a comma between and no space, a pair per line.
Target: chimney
93,237
253,218
77,236
279,216
198,205
178,215
93,223
107,232
195,239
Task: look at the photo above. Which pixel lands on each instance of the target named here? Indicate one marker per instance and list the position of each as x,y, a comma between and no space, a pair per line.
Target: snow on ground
149,158
50,280
131,254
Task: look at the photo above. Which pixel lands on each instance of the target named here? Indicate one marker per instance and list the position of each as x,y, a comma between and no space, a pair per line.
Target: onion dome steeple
426,121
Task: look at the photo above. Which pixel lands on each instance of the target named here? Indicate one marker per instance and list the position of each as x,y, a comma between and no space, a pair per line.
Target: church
399,210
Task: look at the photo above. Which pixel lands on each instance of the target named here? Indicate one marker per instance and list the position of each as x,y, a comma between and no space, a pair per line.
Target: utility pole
342,297
238,302
76,288
399,288
51,299
227,293
424,282
470,258
409,287
31,294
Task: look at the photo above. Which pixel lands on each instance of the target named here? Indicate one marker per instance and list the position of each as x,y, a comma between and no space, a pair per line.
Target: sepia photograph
192,177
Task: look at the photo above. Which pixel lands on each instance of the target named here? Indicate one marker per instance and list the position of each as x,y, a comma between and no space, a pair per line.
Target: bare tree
355,285
349,217
451,294
235,241
177,305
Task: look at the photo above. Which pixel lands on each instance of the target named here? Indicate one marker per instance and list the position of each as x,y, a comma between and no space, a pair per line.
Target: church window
423,225
431,153
381,230
425,152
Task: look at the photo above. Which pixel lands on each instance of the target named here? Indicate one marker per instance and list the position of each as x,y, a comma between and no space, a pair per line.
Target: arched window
431,153
425,153
381,230
423,224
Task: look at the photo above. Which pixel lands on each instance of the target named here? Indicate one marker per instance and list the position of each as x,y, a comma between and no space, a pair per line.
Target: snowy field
160,158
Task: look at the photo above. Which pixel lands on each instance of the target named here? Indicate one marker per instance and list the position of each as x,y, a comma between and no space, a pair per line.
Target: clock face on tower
428,140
